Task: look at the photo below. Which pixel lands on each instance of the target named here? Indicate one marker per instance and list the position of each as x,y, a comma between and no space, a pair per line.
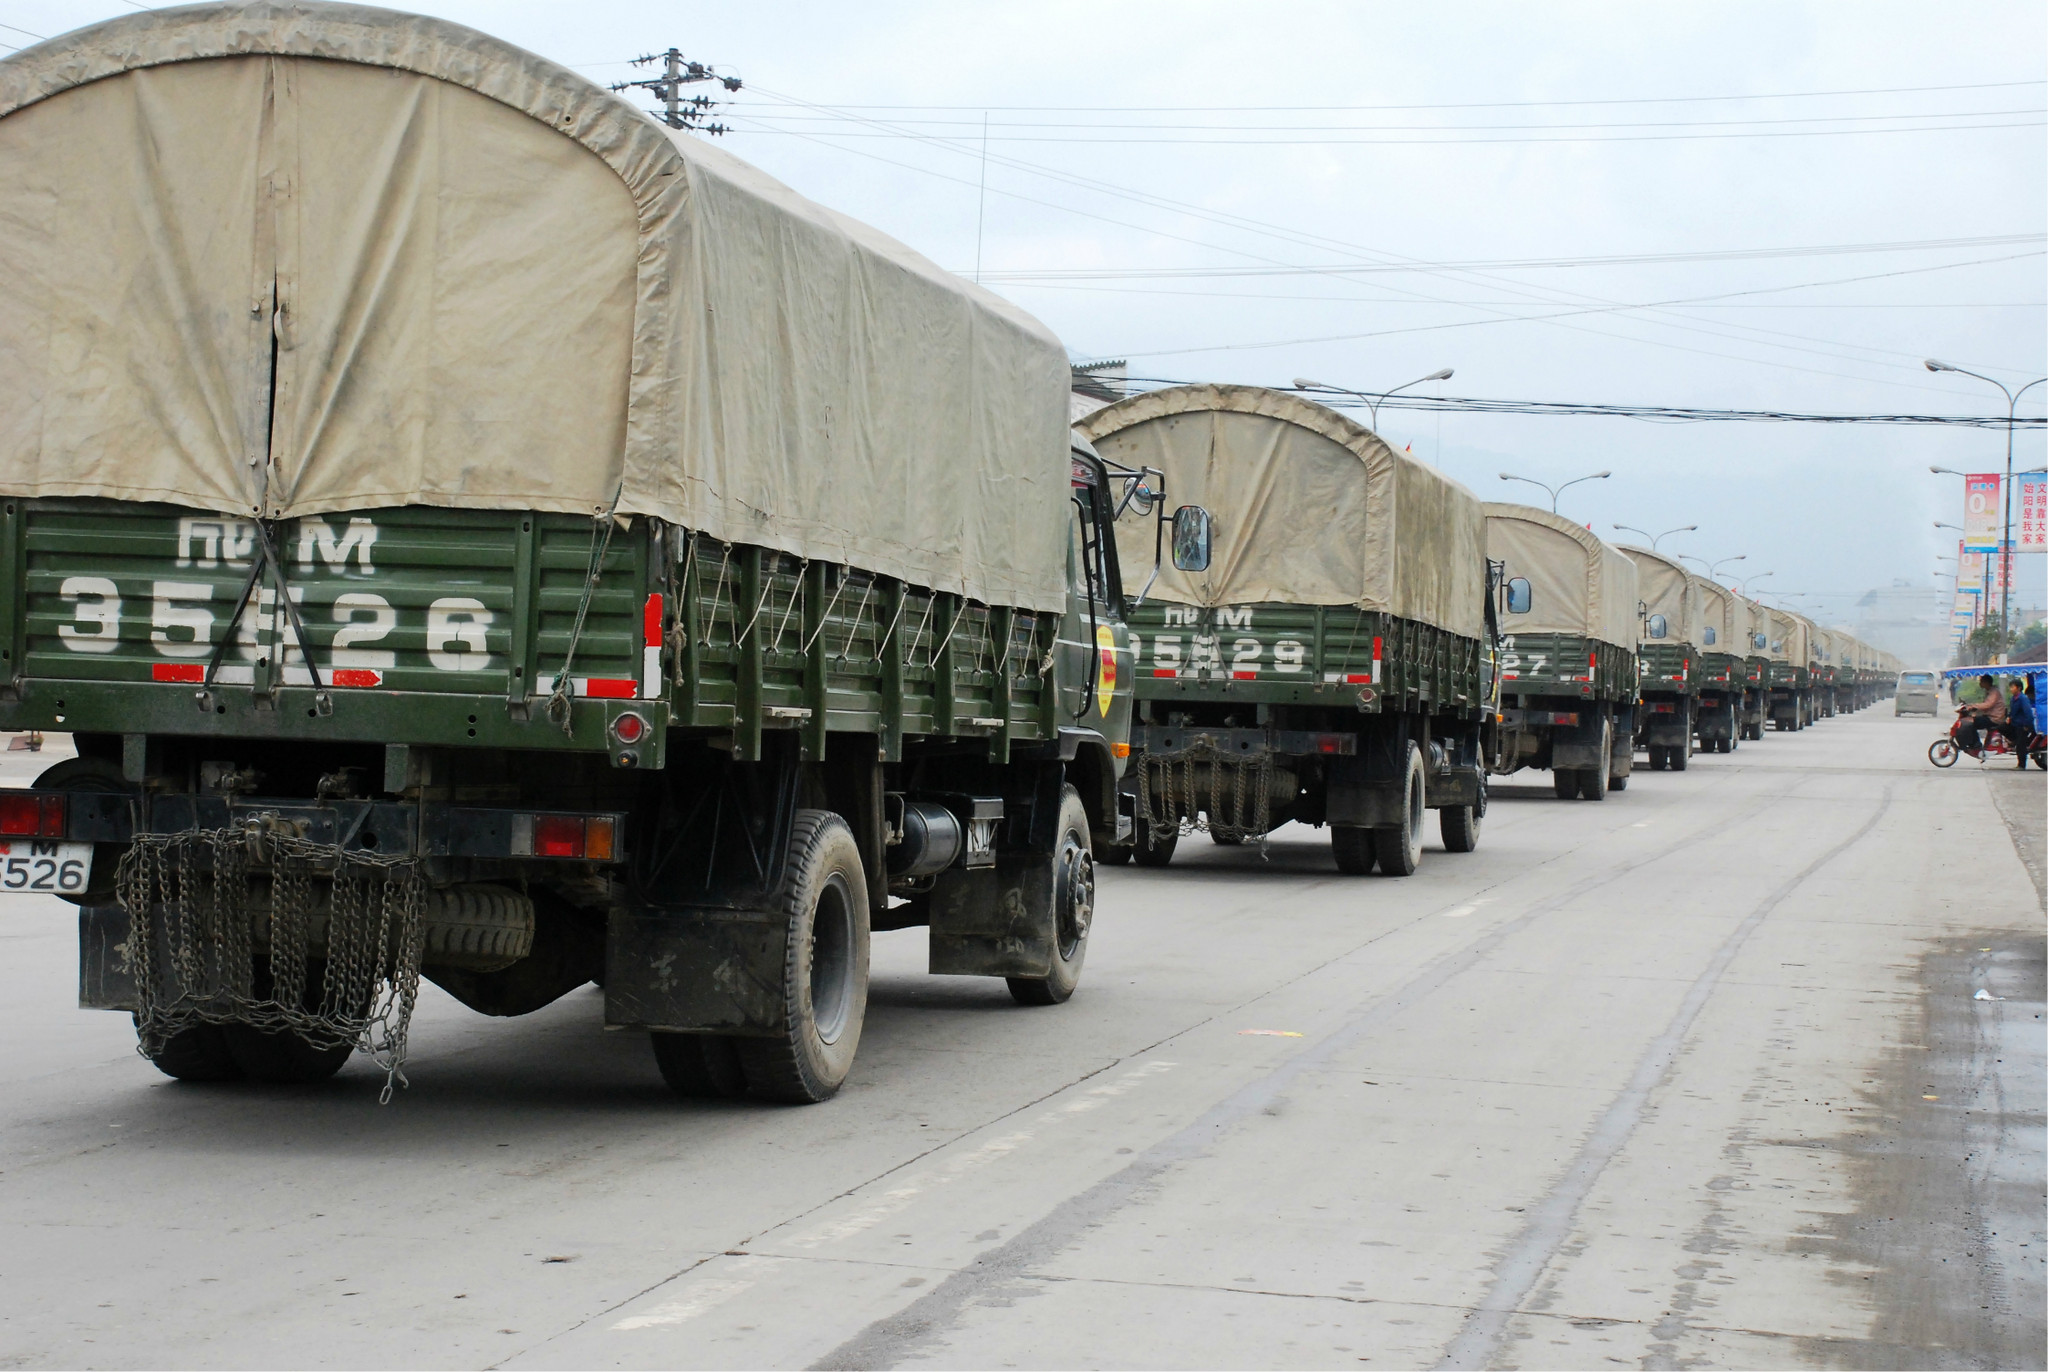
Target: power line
1429,128
1526,263
1481,105
1671,414
1468,142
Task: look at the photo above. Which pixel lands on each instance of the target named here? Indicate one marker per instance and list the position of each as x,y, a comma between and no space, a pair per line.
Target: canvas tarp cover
1578,585
1722,611
1756,639
490,284
1666,588
1309,508
1787,636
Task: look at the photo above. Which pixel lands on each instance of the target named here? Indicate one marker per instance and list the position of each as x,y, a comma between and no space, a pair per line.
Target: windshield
1917,678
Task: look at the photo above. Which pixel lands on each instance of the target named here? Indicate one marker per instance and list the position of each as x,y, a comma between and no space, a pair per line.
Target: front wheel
1942,752
824,904
1073,910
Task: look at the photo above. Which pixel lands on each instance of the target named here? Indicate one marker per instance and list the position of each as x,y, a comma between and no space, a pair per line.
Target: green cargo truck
474,532
1756,668
1330,664
1568,675
1669,659
1718,721
1789,679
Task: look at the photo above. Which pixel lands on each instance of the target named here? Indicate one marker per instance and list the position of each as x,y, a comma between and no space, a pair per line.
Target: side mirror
1709,636
1756,640
1659,626
1191,538
1519,595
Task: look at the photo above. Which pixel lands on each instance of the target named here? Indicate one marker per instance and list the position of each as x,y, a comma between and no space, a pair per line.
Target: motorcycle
1943,752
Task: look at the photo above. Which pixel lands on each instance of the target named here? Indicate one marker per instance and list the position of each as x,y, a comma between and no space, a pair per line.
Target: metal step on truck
474,532
1568,678
1669,659
1329,664
1719,722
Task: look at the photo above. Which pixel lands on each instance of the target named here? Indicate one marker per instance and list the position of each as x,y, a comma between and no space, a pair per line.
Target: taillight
32,816
600,838
558,836
629,728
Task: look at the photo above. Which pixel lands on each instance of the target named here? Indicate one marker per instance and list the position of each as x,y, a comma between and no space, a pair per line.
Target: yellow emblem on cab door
1105,680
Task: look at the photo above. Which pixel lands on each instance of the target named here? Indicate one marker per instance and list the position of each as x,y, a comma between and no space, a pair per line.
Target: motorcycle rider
1990,710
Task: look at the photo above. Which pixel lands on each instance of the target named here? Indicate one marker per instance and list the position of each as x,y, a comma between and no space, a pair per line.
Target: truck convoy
474,532
1569,629
1669,659
1330,665
1788,644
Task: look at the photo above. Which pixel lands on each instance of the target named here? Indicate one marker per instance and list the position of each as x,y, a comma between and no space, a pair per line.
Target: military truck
1756,668
1330,664
1569,625
1669,659
475,532
1789,678
1829,676
1718,721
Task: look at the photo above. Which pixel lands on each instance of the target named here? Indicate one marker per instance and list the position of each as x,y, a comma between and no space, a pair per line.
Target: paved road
1743,1067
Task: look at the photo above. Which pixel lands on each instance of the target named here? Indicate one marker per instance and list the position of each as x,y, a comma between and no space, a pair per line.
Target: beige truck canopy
1757,630
1724,621
1666,588
1309,507
1578,585
1786,637
489,283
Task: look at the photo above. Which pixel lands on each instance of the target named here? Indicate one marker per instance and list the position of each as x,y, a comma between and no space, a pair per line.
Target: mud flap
1622,758
1576,747
994,921
105,980
695,969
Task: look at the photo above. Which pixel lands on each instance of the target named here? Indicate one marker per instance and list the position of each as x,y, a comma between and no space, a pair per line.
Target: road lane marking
702,1296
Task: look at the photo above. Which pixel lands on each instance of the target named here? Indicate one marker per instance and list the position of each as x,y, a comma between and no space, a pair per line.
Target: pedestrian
2020,719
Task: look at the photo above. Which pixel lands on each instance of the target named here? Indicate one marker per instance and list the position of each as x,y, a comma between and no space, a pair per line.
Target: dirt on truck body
1569,629
1330,664
474,531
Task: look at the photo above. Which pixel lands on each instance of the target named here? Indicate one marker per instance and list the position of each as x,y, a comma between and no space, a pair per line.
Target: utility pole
677,111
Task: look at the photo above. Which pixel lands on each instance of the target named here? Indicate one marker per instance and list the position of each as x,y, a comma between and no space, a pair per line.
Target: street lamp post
1372,399
1555,491
1742,586
1713,568
1681,529
2012,406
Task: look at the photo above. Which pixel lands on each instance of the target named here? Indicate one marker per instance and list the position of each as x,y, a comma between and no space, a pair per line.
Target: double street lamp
1681,529
1373,399
1713,568
1555,491
2012,405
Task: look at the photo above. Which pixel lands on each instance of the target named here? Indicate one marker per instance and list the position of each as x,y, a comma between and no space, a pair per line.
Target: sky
1777,205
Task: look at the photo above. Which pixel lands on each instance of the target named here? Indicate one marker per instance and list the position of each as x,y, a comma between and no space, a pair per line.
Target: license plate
37,865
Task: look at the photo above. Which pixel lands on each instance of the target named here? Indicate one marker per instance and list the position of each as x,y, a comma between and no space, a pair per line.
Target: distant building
1907,620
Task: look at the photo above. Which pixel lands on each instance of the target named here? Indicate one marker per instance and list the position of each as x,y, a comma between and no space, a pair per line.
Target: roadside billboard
2030,513
1982,516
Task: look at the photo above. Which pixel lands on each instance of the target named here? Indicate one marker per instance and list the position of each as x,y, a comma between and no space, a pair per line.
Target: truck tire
1594,782
1399,846
483,928
1351,845
1459,824
1656,757
1225,840
104,777
280,1056
197,1054
824,904
700,1066
1679,757
1147,851
1565,781
1073,909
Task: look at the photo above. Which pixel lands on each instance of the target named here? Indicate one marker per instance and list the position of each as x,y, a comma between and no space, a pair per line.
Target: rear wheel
700,1066
1677,759
197,1054
1073,910
1565,781
1351,845
1399,846
1148,851
824,904
281,1057
1656,757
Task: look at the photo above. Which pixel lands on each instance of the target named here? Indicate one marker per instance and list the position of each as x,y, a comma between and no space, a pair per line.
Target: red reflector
650,621
611,688
177,671
629,728
1243,676
1164,671
558,836
32,815
1358,678
1592,661
358,676
1327,743
1375,650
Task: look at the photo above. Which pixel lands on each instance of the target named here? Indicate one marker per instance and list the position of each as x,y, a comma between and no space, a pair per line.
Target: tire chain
193,904
1249,811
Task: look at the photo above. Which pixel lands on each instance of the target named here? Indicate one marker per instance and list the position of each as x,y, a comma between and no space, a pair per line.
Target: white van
1919,693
